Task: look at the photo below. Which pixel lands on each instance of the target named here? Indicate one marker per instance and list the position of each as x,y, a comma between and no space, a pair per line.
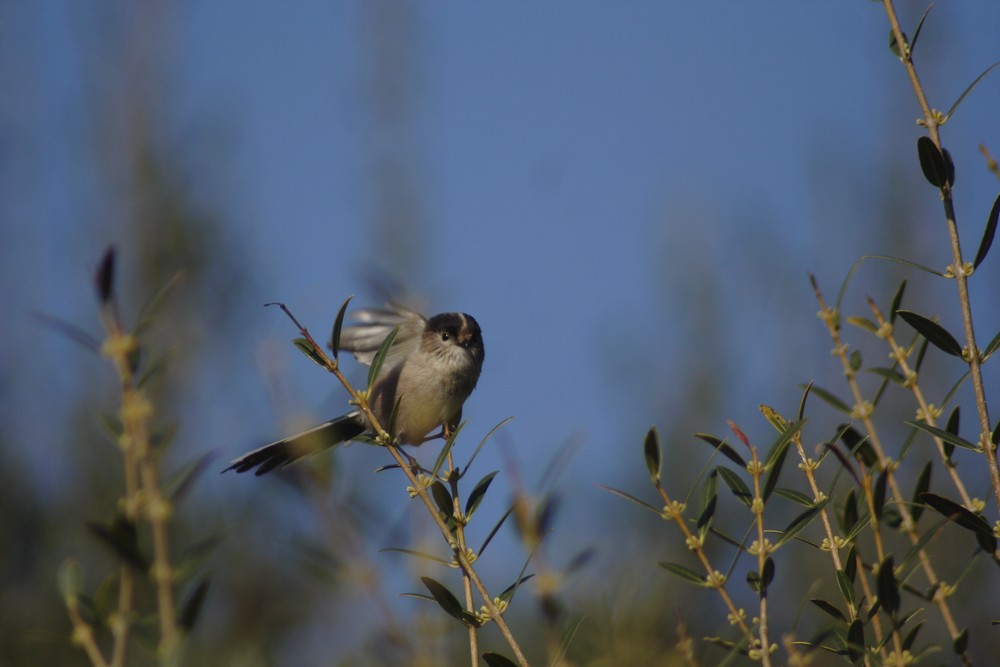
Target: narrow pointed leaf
796,497
482,442
879,493
829,608
968,90
70,331
631,498
567,639
964,518
800,522
736,485
497,660
888,587
307,349
508,593
991,347
831,399
123,540
651,452
923,484
496,527
932,162
936,334
684,573
443,498
954,422
723,448
988,233
105,277
379,360
709,501
911,636
191,608
443,454
944,435
897,300
478,493
856,641
961,642
445,599
920,25
338,326
890,374
418,554
846,585
858,445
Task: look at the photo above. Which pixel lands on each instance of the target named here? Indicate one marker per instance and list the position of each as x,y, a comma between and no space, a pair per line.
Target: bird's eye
444,335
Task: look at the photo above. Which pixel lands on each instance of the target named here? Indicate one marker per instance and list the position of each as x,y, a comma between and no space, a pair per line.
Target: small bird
430,369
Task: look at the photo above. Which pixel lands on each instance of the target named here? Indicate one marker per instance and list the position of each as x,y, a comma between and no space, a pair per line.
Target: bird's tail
281,453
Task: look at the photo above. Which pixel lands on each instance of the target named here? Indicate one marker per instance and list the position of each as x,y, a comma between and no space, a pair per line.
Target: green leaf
720,446
961,642
967,91
776,458
964,518
123,540
954,420
651,451
878,499
863,323
70,578
923,484
338,327
932,162
933,332
897,300
496,527
497,660
443,498
831,399
920,25
191,608
709,501
888,587
796,497
890,374
508,593
380,356
800,522
309,350
446,449
105,277
849,517
482,442
911,636
829,608
631,498
944,435
858,445
567,639
856,641
685,573
418,554
478,493
177,486
992,347
445,599
735,484
988,233
846,585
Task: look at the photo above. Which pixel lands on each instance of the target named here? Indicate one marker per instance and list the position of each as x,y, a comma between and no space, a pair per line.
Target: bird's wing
373,324
281,453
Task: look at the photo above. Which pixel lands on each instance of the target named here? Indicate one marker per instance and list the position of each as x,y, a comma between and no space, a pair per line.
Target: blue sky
625,195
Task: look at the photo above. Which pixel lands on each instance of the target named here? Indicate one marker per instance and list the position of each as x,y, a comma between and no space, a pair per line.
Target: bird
430,369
